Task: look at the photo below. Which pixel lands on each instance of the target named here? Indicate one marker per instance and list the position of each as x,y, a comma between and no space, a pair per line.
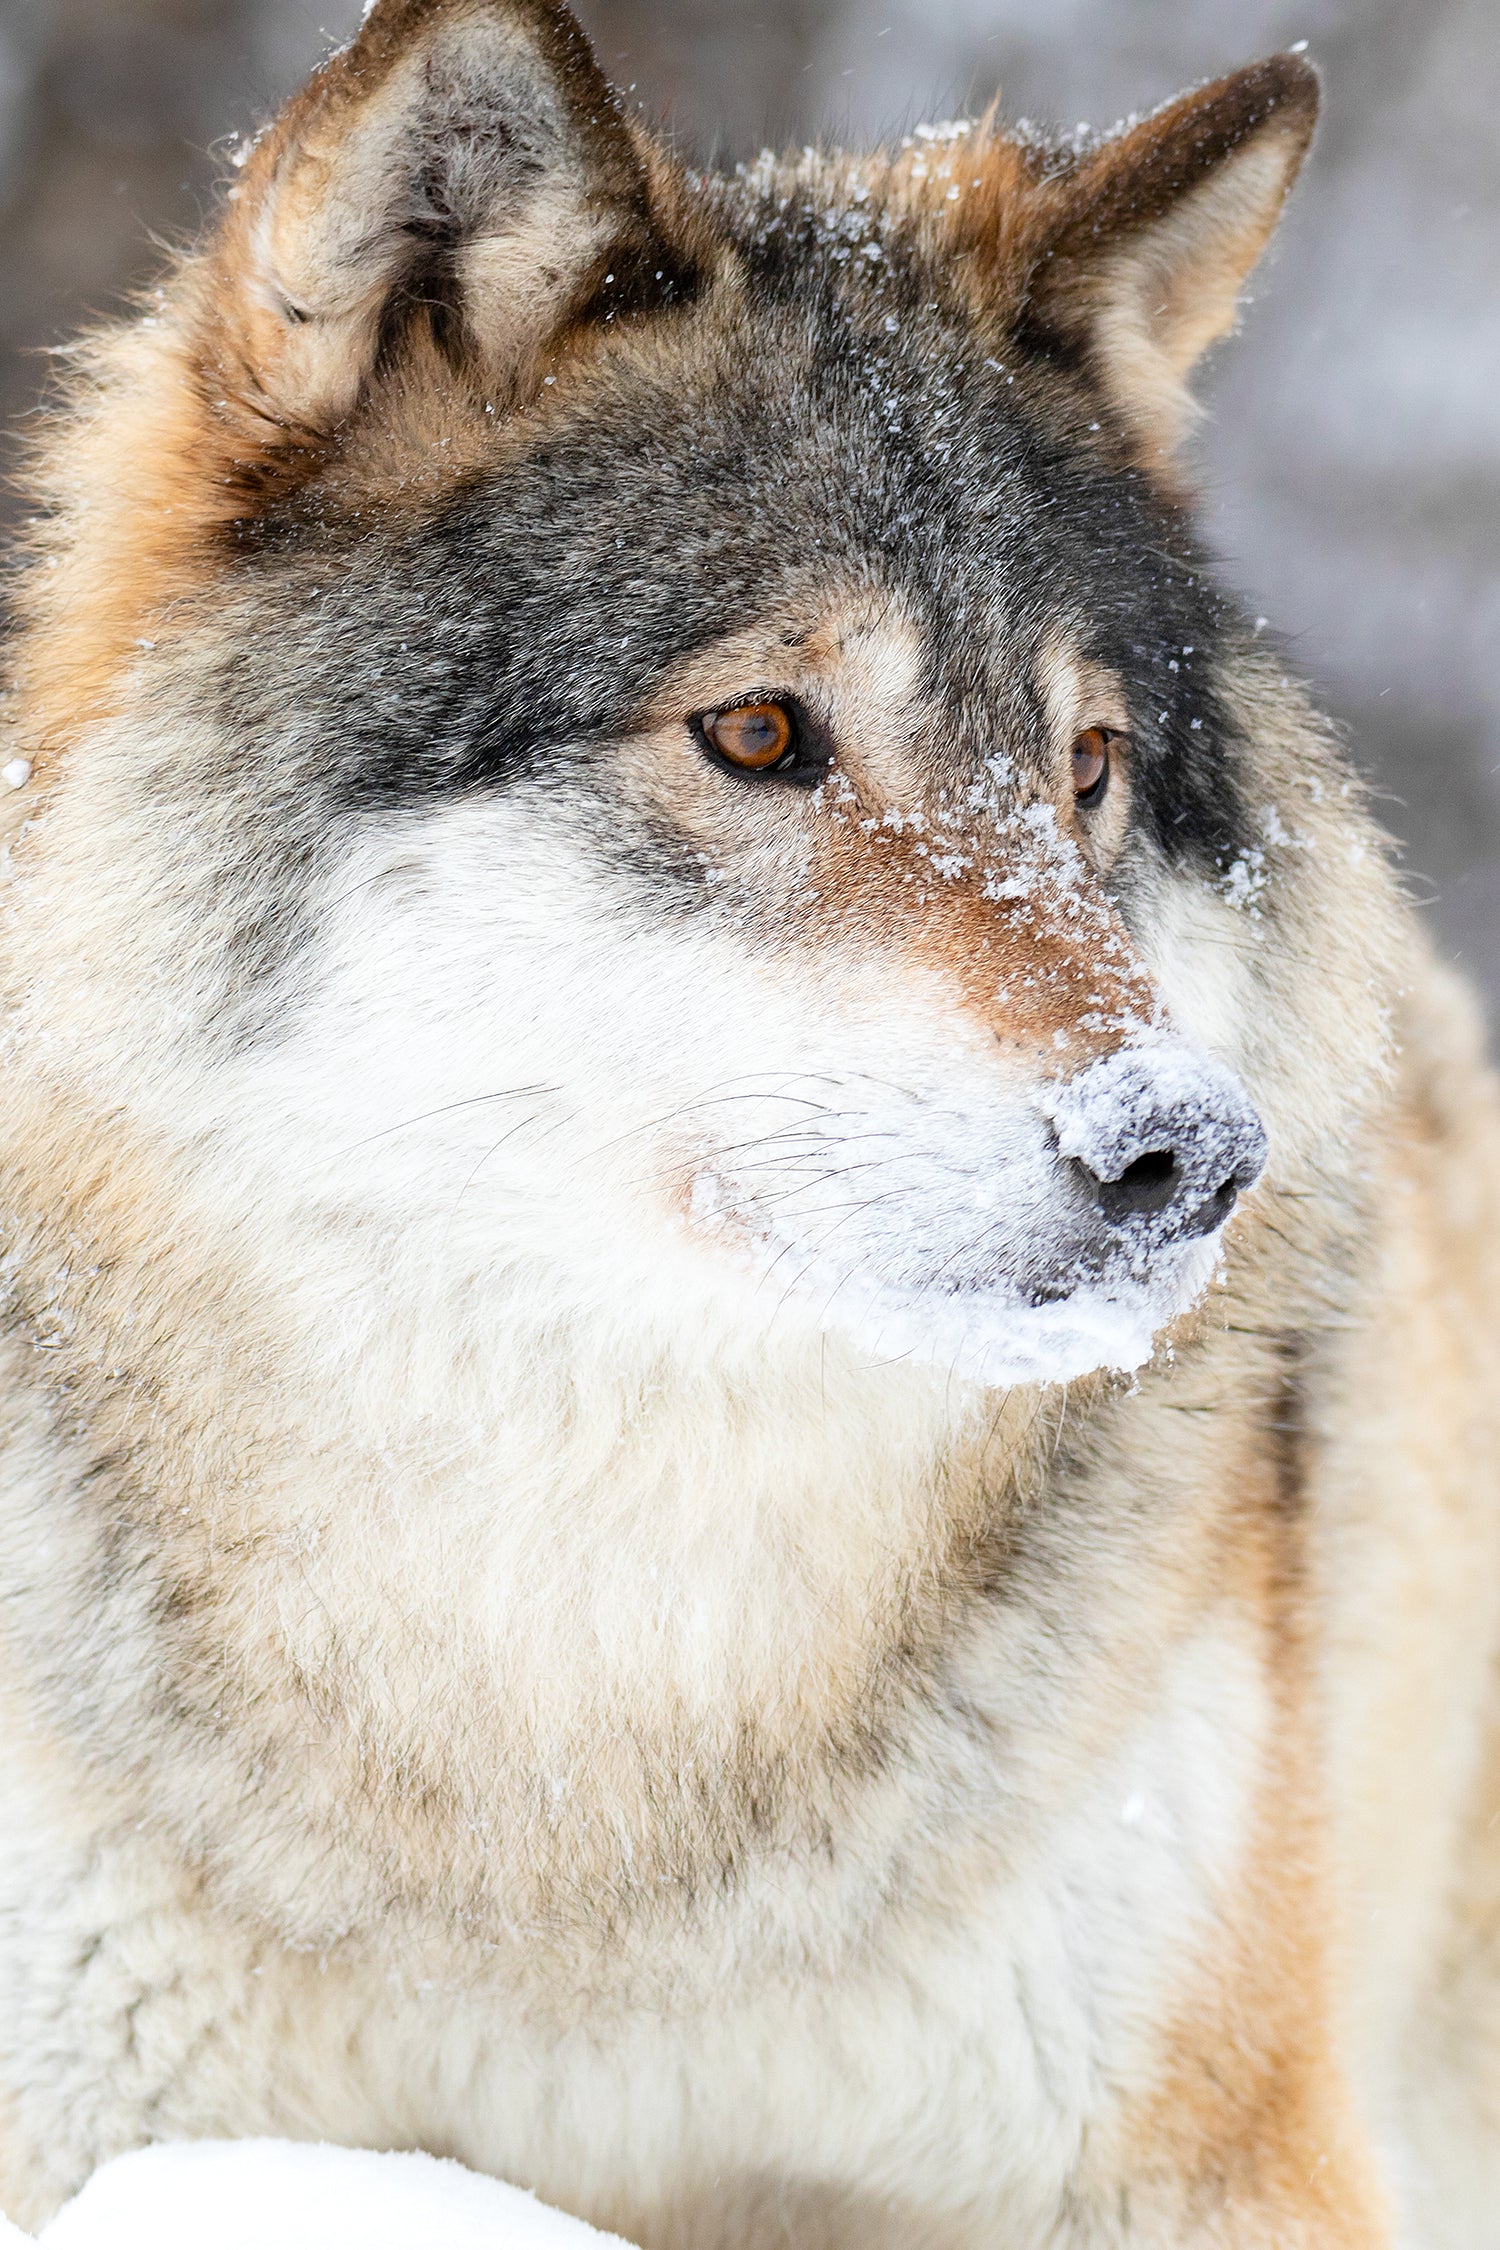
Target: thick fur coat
747,1449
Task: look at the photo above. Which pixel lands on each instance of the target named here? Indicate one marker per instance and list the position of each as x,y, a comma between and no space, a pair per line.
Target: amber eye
754,737
1091,764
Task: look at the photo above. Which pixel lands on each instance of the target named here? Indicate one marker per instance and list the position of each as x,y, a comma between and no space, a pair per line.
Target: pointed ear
1149,239
461,163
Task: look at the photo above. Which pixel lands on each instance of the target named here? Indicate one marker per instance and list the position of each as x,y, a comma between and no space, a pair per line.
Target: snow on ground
277,2195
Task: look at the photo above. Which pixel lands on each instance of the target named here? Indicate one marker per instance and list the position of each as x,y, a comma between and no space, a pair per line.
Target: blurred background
1352,458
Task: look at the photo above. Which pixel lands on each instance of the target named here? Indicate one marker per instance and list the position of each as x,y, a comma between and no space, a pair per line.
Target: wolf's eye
752,738
1091,764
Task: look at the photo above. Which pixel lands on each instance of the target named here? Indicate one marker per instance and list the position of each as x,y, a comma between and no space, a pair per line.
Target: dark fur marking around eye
444,661
643,278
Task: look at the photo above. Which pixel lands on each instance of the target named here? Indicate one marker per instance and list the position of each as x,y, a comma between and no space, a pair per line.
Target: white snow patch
280,2195
1244,880
994,1338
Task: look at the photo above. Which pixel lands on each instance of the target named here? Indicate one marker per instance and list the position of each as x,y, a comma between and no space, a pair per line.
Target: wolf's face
741,865
713,806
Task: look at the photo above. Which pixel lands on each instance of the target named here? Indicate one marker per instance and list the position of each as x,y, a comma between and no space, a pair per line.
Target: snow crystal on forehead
950,129
1244,880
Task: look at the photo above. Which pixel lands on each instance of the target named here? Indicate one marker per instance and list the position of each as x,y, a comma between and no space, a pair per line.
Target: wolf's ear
461,162
1149,239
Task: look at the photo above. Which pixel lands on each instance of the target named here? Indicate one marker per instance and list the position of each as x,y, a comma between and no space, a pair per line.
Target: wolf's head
660,748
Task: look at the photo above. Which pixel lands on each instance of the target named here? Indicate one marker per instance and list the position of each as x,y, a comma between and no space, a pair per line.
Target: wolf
748,1454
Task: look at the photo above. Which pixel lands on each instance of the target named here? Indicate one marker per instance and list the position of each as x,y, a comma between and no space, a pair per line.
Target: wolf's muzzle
1162,1139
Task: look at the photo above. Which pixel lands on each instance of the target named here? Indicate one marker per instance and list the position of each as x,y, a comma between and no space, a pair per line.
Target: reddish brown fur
1251,2109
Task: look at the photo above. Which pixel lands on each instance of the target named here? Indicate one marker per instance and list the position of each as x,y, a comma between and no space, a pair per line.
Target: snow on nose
1164,1137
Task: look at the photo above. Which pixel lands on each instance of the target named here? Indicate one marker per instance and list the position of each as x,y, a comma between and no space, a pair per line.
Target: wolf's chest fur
747,1452
897,1940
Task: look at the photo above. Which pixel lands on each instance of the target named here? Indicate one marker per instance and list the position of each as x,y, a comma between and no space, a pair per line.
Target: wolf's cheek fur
493,1048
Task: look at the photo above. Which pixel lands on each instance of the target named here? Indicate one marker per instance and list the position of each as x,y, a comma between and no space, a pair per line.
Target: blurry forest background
1352,461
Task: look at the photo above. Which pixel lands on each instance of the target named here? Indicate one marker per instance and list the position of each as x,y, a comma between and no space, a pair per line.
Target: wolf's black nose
1161,1181
1163,1139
